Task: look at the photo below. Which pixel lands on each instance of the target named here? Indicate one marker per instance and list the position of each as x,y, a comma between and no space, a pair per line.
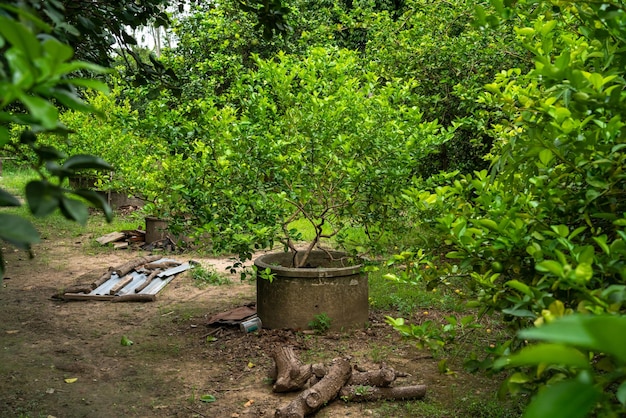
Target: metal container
251,325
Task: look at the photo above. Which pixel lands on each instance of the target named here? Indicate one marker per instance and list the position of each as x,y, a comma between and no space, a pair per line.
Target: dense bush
543,235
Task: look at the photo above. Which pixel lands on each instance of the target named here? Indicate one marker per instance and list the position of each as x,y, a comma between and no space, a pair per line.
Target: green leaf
42,110
74,209
534,355
545,156
97,200
517,285
207,398
80,161
7,199
42,198
71,101
600,333
20,37
487,223
583,272
567,399
125,341
57,51
18,231
551,266
621,393
89,83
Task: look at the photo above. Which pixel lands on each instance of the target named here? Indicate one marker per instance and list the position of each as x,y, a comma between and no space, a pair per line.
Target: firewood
312,399
147,281
382,377
164,264
105,276
134,298
372,393
82,296
291,374
78,288
126,268
123,282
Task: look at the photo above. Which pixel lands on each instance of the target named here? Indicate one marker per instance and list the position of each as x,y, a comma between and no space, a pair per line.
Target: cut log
372,393
112,237
291,374
134,298
312,399
382,377
147,281
105,276
82,296
162,265
119,285
78,288
126,268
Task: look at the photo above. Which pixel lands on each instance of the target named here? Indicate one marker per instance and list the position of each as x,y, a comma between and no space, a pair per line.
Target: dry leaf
71,380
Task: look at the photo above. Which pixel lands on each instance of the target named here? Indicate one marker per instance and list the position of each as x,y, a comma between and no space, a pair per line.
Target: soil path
65,359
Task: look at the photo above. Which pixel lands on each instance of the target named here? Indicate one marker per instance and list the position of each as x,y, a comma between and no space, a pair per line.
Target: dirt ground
65,359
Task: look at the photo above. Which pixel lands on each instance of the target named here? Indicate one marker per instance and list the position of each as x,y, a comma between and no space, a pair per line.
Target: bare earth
65,359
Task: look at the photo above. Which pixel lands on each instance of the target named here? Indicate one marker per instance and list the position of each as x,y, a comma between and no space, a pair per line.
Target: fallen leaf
250,364
125,341
249,403
12,331
71,379
207,398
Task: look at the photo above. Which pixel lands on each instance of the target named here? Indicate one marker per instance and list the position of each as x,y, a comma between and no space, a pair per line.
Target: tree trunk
321,393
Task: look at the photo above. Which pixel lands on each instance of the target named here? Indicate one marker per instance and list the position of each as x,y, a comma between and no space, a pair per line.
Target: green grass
408,298
14,181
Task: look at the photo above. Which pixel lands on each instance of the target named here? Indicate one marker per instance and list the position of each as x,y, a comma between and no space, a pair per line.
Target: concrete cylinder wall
297,295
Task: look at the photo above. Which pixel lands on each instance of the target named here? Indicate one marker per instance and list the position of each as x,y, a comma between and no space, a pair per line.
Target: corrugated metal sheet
153,288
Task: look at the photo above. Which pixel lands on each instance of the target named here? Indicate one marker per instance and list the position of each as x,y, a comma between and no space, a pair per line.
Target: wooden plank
112,237
120,245
82,296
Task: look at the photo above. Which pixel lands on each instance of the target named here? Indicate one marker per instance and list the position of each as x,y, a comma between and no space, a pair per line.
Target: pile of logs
321,384
135,238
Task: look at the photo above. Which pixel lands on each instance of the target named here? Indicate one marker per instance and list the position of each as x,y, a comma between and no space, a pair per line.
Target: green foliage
203,277
542,235
35,75
583,360
321,323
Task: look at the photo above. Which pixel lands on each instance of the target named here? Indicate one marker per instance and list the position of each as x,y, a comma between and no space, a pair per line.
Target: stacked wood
321,384
136,239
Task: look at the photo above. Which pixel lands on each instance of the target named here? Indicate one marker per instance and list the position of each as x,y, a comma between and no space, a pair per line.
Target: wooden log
105,276
147,281
372,393
126,268
162,265
382,377
291,374
82,296
119,285
312,399
134,298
